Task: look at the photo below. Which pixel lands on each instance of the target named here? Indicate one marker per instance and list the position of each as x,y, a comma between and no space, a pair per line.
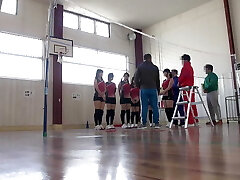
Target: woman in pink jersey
99,99
110,101
125,100
135,105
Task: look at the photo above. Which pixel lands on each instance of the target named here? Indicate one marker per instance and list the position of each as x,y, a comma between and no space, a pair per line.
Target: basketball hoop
61,48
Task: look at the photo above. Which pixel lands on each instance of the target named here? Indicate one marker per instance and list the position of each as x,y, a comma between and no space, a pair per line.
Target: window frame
91,18
27,56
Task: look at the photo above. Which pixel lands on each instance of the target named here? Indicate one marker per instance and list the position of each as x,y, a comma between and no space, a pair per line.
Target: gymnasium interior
50,51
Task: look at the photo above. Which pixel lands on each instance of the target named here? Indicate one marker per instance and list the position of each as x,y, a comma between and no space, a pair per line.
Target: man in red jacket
186,78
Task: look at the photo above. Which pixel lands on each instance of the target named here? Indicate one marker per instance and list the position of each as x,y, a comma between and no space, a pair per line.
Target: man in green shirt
211,88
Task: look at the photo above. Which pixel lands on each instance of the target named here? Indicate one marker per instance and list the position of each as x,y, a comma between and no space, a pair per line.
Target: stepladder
188,92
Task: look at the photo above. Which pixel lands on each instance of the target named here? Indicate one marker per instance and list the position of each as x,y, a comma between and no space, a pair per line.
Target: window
70,20
81,69
9,6
102,29
20,57
86,24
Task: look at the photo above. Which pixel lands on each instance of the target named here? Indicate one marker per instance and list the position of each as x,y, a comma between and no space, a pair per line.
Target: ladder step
183,102
178,118
185,88
196,103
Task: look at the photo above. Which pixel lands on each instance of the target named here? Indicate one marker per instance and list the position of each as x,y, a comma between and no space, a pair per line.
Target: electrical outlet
27,93
76,96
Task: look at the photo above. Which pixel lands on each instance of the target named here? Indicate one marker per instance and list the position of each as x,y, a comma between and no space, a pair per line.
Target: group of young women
105,93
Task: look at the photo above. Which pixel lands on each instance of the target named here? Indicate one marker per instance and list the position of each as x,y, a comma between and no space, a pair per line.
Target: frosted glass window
102,29
19,67
70,20
20,57
87,25
9,6
81,69
20,45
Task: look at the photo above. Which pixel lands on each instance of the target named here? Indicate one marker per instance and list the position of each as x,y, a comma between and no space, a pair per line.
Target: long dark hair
168,72
98,72
110,76
132,82
123,77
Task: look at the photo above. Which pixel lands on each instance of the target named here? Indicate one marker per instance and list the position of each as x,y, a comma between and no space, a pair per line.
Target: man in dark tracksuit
175,97
147,79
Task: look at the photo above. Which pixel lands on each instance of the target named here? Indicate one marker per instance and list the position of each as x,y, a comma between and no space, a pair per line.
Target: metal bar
1,4
20,55
175,110
205,108
49,33
45,100
232,51
189,107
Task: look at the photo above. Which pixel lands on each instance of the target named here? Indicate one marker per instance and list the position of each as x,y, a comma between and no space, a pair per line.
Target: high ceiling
135,13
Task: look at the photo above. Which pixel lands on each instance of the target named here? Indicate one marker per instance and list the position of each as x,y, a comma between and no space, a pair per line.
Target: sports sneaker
101,127
181,124
108,127
132,125
136,125
191,125
129,126
168,125
97,127
112,126
157,126
124,126
142,126
151,124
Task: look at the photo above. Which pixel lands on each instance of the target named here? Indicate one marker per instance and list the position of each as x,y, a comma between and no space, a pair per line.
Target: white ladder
184,92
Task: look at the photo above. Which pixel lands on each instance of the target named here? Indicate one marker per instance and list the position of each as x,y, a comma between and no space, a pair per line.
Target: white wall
200,32
17,110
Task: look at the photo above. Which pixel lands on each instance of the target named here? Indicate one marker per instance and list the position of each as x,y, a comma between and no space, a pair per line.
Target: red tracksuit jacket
186,77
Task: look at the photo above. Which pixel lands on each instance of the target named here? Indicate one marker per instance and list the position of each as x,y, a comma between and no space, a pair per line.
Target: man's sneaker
112,126
132,125
136,125
142,126
97,127
181,124
157,126
101,127
151,124
108,127
124,126
168,125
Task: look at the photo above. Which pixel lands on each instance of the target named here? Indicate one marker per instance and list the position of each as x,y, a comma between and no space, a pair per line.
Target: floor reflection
182,154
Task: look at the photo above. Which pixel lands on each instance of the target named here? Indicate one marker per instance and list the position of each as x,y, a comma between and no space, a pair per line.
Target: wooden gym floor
203,153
